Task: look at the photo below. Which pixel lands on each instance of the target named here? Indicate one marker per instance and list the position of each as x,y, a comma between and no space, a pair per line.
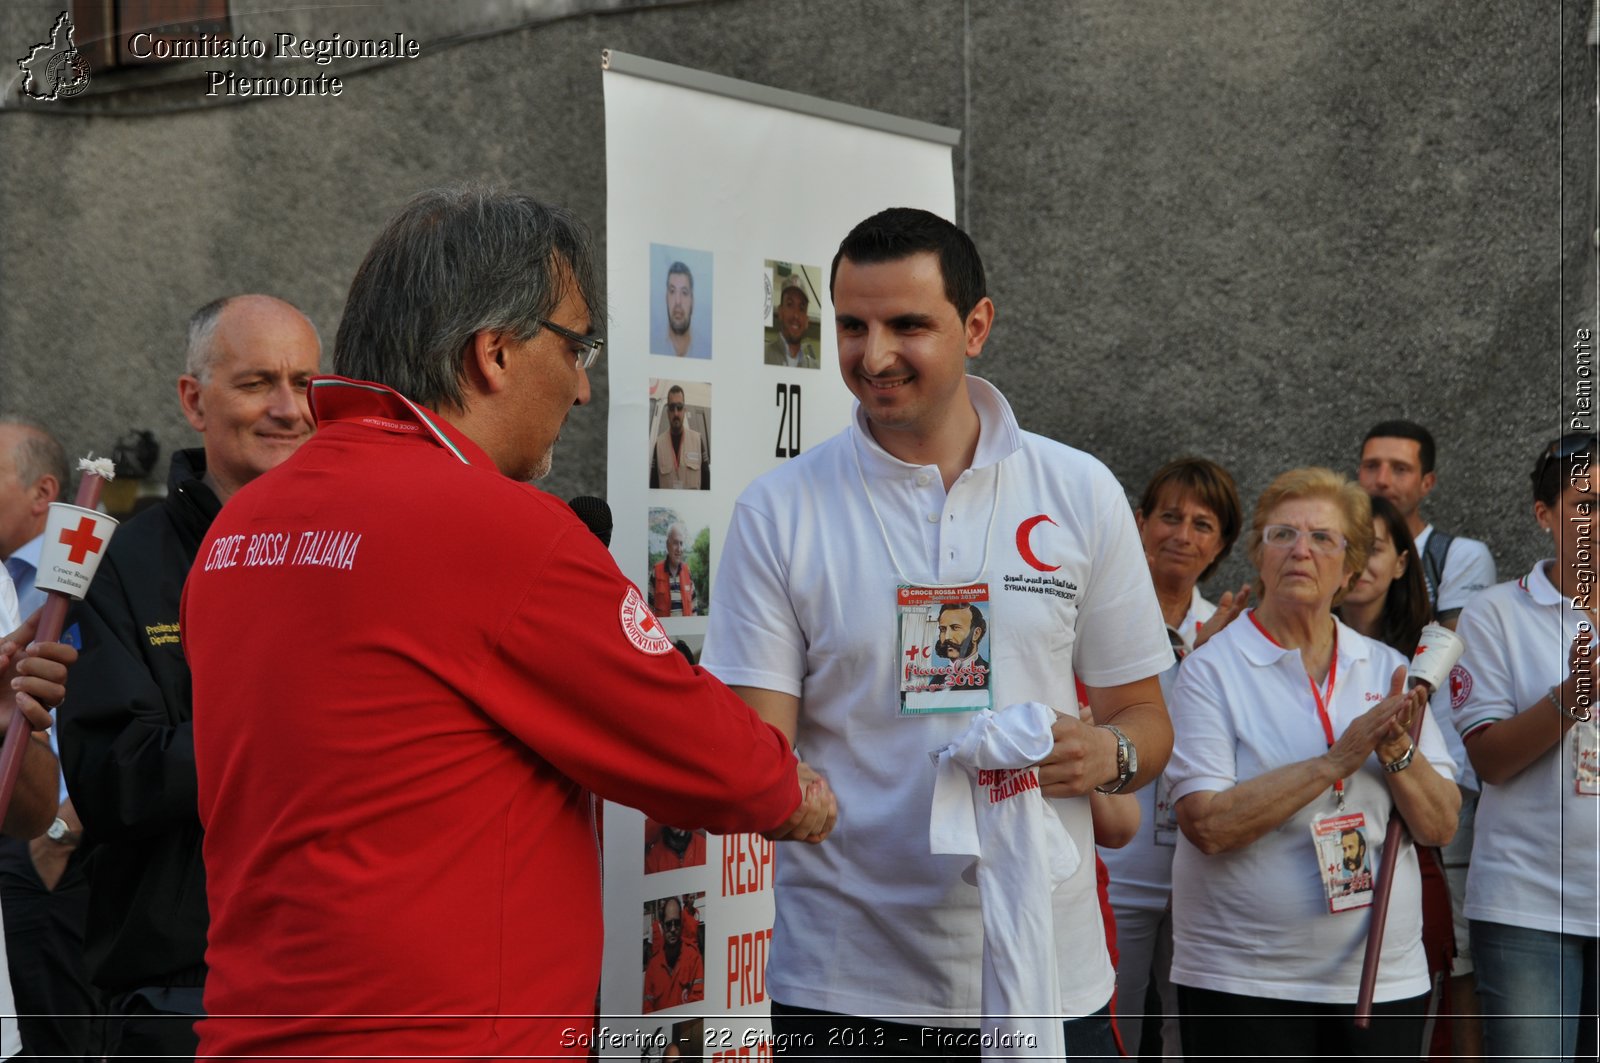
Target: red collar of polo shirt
337,398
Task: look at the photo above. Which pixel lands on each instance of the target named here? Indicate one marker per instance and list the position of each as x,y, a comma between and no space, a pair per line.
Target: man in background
127,741
1397,462
42,880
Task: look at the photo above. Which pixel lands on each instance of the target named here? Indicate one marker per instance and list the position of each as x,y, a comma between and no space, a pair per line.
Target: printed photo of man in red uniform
671,581
668,848
396,773
675,973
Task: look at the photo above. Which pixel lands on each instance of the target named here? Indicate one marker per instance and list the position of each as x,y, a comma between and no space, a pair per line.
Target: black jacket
127,748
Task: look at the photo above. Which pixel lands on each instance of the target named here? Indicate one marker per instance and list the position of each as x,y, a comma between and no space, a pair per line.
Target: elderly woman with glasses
1523,698
1291,750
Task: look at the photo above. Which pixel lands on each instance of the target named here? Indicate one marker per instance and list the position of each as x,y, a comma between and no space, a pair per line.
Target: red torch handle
52,617
1394,839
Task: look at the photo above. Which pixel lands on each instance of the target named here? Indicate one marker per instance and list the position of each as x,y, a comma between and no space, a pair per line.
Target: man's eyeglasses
1284,536
593,345
675,407
669,924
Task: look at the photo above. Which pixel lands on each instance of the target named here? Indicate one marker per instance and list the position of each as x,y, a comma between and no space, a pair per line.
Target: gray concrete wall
1243,228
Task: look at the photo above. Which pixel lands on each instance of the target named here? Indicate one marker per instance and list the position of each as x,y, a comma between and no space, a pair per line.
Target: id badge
1165,820
1344,857
945,649
1586,759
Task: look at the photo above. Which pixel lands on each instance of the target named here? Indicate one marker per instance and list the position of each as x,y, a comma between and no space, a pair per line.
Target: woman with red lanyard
1291,749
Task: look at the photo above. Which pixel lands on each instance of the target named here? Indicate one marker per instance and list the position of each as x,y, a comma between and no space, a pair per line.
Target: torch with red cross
75,538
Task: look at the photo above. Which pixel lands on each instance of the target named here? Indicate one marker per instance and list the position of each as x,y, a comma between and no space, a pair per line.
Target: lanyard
988,534
1322,699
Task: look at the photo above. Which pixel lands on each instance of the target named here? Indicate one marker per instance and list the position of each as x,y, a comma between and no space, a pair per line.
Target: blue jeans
1538,990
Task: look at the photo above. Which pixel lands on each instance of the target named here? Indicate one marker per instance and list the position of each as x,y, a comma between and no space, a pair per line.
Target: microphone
596,516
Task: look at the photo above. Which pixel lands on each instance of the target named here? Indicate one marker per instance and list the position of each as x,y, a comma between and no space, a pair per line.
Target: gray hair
453,262
39,454
199,351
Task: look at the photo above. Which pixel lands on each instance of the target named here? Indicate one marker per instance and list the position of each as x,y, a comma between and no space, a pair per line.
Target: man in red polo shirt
396,742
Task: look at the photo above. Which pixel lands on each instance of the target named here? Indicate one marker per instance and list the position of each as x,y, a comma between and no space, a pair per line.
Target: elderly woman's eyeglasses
1284,536
592,344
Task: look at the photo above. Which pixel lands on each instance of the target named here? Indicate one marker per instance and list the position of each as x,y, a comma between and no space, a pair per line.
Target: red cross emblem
81,541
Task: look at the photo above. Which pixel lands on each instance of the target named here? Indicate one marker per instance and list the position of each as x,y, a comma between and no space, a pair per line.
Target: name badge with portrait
1586,759
1344,859
1165,820
946,644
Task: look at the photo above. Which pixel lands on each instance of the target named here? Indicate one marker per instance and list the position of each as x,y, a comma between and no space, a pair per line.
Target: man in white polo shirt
1397,463
833,576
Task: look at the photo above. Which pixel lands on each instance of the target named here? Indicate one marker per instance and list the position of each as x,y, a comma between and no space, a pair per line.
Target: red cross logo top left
81,541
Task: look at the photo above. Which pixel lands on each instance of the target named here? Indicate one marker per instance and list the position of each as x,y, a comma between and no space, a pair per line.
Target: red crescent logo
1024,530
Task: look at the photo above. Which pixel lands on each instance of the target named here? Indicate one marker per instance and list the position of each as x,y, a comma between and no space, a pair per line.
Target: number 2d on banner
789,402
789,405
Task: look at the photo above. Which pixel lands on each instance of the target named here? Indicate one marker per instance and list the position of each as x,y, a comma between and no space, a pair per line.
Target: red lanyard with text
1322,699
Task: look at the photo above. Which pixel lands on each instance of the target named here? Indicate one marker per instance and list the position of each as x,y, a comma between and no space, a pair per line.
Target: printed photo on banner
684,1041
674,947
680,302
669,848
945,649
679,563
680,435
794,315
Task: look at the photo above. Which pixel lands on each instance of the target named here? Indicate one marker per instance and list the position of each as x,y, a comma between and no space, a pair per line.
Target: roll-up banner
726,201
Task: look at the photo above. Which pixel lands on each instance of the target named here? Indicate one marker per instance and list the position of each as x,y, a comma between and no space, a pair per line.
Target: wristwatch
1127,762
62,834
1402,762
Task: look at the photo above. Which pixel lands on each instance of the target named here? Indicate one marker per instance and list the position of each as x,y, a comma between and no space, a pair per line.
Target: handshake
813,820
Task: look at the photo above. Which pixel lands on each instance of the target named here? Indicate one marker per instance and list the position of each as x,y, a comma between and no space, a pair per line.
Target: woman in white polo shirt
1525,709
1188,520
1291,749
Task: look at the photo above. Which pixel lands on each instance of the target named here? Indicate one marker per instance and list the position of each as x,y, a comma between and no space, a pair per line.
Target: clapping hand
1385,728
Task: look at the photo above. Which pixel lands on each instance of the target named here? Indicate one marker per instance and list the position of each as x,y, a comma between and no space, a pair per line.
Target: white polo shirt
870,923
1468,569
1255,921
1534,848
1141,871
